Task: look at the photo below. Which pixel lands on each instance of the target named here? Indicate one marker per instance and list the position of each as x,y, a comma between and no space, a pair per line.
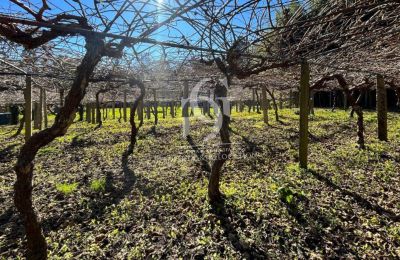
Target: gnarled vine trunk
36,243
397,90
354,103
120,114
334,101
214,192
360,126
257,101
274,104
134,128
357,109
21,125
99,120
81,111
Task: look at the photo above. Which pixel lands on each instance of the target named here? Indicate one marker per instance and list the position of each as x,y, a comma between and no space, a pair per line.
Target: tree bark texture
214,192
274,104
381,108
36,243
304,110
134,107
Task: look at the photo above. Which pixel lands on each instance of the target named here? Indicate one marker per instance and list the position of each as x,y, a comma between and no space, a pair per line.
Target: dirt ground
95,201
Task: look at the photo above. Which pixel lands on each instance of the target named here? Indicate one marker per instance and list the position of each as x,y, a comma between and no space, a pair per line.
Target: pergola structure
120,50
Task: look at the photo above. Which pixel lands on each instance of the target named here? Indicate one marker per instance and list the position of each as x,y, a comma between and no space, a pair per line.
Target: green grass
66,188
271,204
98,185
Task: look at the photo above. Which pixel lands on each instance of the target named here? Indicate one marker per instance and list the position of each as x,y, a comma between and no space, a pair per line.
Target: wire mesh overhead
168,41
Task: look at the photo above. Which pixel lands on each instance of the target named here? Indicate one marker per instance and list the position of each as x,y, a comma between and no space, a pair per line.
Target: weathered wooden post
40,109
124,107
381,108
208,103
172,109
163,110
93,110
208,109
290,99
36,112
155,107
28,107
254,100
264,104
88,113
185,109
103,113
113,109
46,122
304,110
98,111
257,102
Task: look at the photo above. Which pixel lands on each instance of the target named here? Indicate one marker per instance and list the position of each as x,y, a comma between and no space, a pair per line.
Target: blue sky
173,35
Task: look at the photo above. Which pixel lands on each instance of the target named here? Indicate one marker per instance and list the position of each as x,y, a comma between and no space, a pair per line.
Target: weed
98,185
66,188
